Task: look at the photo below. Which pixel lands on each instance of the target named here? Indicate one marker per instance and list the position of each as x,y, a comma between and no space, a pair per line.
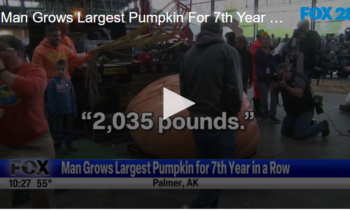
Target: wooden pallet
135,150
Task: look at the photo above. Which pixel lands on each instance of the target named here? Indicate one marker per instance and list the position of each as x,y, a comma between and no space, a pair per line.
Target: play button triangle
174,103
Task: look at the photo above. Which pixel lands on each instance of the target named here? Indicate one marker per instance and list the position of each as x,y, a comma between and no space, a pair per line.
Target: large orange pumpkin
173,144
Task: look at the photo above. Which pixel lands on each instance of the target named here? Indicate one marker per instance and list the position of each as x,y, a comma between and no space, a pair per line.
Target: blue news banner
175,174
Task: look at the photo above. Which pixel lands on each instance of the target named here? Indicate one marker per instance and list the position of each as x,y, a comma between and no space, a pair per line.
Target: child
61,107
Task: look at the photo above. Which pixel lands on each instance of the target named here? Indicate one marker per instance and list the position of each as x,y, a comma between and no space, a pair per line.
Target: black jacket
293,106
247,65
211,77
309,46
265,61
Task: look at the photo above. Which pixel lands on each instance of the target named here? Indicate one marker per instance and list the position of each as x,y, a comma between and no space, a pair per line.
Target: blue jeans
63,127
300,127
264,95
213,144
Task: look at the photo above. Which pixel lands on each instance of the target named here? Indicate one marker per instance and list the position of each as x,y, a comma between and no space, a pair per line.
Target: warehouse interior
117,90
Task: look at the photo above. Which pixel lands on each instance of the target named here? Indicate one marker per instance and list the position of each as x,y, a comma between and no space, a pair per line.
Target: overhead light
5,32
76,13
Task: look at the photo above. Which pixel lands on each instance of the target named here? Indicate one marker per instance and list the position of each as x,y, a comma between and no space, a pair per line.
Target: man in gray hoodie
211,76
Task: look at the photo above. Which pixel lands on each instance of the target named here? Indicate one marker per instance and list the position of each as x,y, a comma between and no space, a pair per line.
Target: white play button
174,103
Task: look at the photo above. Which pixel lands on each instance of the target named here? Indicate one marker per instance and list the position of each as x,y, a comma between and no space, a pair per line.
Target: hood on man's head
205,38
212,24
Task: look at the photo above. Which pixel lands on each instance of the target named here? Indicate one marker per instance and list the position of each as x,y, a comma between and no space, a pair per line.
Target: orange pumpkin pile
174,144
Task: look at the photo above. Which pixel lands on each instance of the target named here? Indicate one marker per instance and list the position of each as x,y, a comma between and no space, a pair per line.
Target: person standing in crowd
68,42
310,42
256,99
278,40
51,50
298,105
274,41
332,46
330,39
24,132
332,58
347,46
61,106
286,38
245,57
230,38
65,40
265,68
241,47
211,76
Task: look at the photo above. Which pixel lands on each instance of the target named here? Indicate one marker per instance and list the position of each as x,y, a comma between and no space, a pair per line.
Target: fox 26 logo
324,13
29,167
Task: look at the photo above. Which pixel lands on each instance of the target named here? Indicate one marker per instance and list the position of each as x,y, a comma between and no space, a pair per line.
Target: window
232,8
6,32
282,17
31,4
160,4
14,3
324,27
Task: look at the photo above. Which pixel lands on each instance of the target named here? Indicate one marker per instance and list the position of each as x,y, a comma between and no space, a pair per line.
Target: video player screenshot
174,104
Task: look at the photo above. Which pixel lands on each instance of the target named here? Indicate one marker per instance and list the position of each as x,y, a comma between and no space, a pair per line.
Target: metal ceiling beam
104,4
64,6
50,5
313,23
22,7
47,4
256,11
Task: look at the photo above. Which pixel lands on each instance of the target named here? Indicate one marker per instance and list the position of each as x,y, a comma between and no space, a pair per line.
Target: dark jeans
300,127
63,127
264,95
50,120
213,144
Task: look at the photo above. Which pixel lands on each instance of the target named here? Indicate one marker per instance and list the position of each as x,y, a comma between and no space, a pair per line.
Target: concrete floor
333,147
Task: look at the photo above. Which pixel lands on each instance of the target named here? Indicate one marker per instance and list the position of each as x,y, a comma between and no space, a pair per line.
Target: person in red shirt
256,99
24,132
